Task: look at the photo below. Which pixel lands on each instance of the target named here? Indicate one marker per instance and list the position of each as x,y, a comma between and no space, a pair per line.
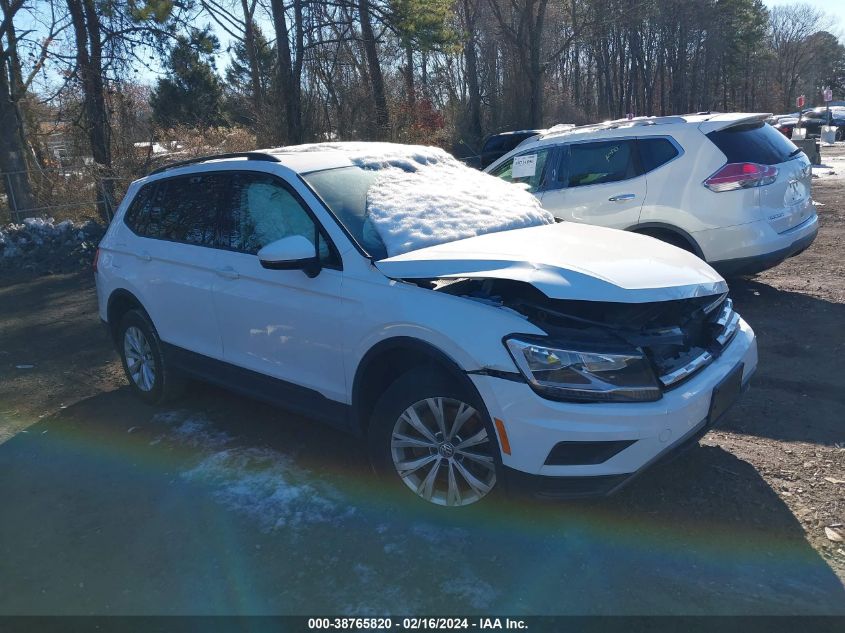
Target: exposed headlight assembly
568,374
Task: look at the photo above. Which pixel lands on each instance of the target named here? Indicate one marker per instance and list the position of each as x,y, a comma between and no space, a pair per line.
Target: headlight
568,374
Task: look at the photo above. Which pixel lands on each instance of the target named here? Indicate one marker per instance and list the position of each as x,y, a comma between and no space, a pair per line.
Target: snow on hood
568,261
424,197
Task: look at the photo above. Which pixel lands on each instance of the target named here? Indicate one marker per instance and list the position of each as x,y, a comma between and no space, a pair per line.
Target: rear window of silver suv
753,143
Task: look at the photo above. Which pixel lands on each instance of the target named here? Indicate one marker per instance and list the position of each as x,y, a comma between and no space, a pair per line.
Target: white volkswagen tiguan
727,187
439,312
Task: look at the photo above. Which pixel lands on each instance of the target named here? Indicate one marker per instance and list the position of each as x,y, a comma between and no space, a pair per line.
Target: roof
301,160
512,132
309,157
715,119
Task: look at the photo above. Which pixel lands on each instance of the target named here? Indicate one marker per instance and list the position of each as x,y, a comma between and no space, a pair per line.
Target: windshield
397,199
344,190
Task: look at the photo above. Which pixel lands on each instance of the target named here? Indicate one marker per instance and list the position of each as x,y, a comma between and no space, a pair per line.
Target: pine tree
191,94
241,104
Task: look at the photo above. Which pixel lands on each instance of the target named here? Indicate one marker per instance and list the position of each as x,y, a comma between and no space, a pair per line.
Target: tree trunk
471,57
89,49
13,162
13,147
376,77
289,71
409,81
535,67
251,49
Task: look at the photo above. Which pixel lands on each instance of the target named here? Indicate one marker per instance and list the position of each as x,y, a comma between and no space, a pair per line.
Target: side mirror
291,253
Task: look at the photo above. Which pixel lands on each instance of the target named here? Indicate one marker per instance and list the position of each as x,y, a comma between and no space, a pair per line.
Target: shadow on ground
225,506
801,348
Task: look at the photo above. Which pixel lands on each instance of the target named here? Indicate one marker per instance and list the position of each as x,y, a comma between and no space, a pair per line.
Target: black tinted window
137,216
515,139
753,143
259,210
655,152
597,163
184,209
506,142
493,144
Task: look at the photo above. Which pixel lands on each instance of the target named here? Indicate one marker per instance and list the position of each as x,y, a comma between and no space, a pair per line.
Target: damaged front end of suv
606,351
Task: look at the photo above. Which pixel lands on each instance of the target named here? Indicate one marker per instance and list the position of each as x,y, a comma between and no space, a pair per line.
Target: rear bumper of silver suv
806,234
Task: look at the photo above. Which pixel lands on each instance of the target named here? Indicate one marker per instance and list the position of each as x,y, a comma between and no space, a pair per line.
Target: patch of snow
477,593
833,166
44,245
266,486
191,430
436,535
365,573
424,196
262,483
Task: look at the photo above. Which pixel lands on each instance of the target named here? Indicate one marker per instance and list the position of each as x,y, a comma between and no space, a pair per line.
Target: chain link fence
66,193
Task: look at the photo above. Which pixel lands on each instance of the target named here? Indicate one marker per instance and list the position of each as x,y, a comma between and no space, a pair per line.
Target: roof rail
655,120
615,124
201,159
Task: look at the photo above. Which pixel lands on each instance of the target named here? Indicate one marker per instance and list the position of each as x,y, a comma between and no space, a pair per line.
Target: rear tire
670,238
150,376
431,436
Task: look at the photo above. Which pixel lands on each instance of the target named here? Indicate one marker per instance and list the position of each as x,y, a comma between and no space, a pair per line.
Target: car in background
816,118
727,187
497,145
812,121
439,314
784,124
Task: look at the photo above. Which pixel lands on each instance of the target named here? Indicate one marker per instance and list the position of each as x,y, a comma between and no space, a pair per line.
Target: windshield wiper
795,152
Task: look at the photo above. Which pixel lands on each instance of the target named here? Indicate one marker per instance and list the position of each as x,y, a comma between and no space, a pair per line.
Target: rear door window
753,143
598,163
655,152
182,209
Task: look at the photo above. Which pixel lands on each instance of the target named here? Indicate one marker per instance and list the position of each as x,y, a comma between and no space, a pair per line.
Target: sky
834,8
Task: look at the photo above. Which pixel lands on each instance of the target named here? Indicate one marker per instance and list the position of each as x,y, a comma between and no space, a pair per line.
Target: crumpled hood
567,261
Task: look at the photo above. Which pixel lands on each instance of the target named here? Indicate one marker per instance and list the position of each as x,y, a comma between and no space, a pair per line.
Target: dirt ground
101,496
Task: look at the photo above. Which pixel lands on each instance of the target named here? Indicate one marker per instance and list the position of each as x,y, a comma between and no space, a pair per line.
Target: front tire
150,376
434,438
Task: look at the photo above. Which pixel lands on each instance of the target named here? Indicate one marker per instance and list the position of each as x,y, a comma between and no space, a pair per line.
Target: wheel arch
389,359
653,229
120,302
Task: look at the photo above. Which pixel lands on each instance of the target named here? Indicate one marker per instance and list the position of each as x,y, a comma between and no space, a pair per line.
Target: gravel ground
222,505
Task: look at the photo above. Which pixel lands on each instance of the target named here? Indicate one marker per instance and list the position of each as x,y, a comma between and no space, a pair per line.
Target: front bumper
535,425
760,248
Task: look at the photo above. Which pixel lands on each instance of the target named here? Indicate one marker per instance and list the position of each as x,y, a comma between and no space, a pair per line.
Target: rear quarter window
655,152
137,216
753,143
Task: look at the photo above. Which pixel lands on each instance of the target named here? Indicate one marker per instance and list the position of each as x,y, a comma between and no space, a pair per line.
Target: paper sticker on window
524,166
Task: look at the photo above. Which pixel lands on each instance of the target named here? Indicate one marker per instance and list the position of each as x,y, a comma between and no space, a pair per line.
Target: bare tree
791,27
15,152
382,116
289,70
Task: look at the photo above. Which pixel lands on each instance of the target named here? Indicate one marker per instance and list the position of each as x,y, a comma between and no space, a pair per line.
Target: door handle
144,256
622,197
228,273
